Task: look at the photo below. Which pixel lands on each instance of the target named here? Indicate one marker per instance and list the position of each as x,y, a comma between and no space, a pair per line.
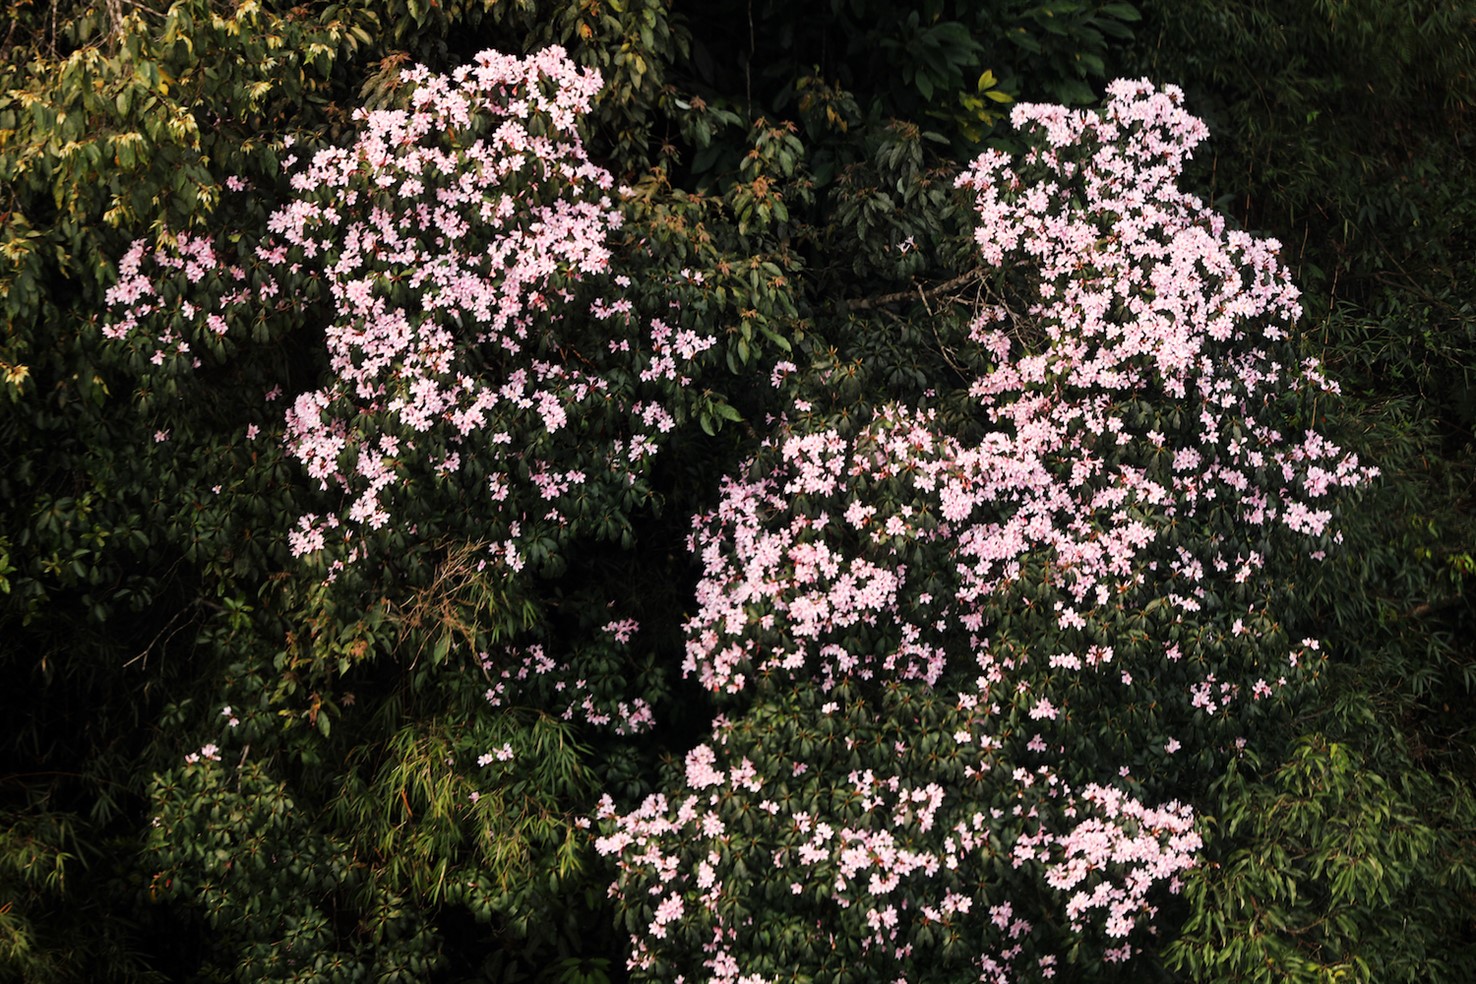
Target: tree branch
867,303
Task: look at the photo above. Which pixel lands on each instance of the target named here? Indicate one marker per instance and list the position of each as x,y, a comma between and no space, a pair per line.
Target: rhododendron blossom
1096,540
473,325
1151,299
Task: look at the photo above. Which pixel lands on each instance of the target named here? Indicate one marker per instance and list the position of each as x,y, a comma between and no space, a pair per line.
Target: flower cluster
1154,403
580,686
929,853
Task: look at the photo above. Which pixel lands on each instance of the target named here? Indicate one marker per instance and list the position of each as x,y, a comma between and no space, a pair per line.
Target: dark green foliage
1326,870
952,66
1345,129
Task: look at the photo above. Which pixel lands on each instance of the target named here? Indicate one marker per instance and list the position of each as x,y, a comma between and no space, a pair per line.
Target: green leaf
1121,11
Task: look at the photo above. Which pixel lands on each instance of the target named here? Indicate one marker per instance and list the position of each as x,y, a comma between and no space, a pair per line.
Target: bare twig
144,653
867,303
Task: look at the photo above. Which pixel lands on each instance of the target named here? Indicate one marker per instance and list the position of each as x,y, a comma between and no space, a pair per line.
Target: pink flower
670,910
700,771
1043,709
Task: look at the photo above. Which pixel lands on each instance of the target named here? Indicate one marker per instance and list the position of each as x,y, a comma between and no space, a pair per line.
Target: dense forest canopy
585,490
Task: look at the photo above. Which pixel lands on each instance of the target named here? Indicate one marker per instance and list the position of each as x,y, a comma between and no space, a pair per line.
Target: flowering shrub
486,358
1023,622
493,343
